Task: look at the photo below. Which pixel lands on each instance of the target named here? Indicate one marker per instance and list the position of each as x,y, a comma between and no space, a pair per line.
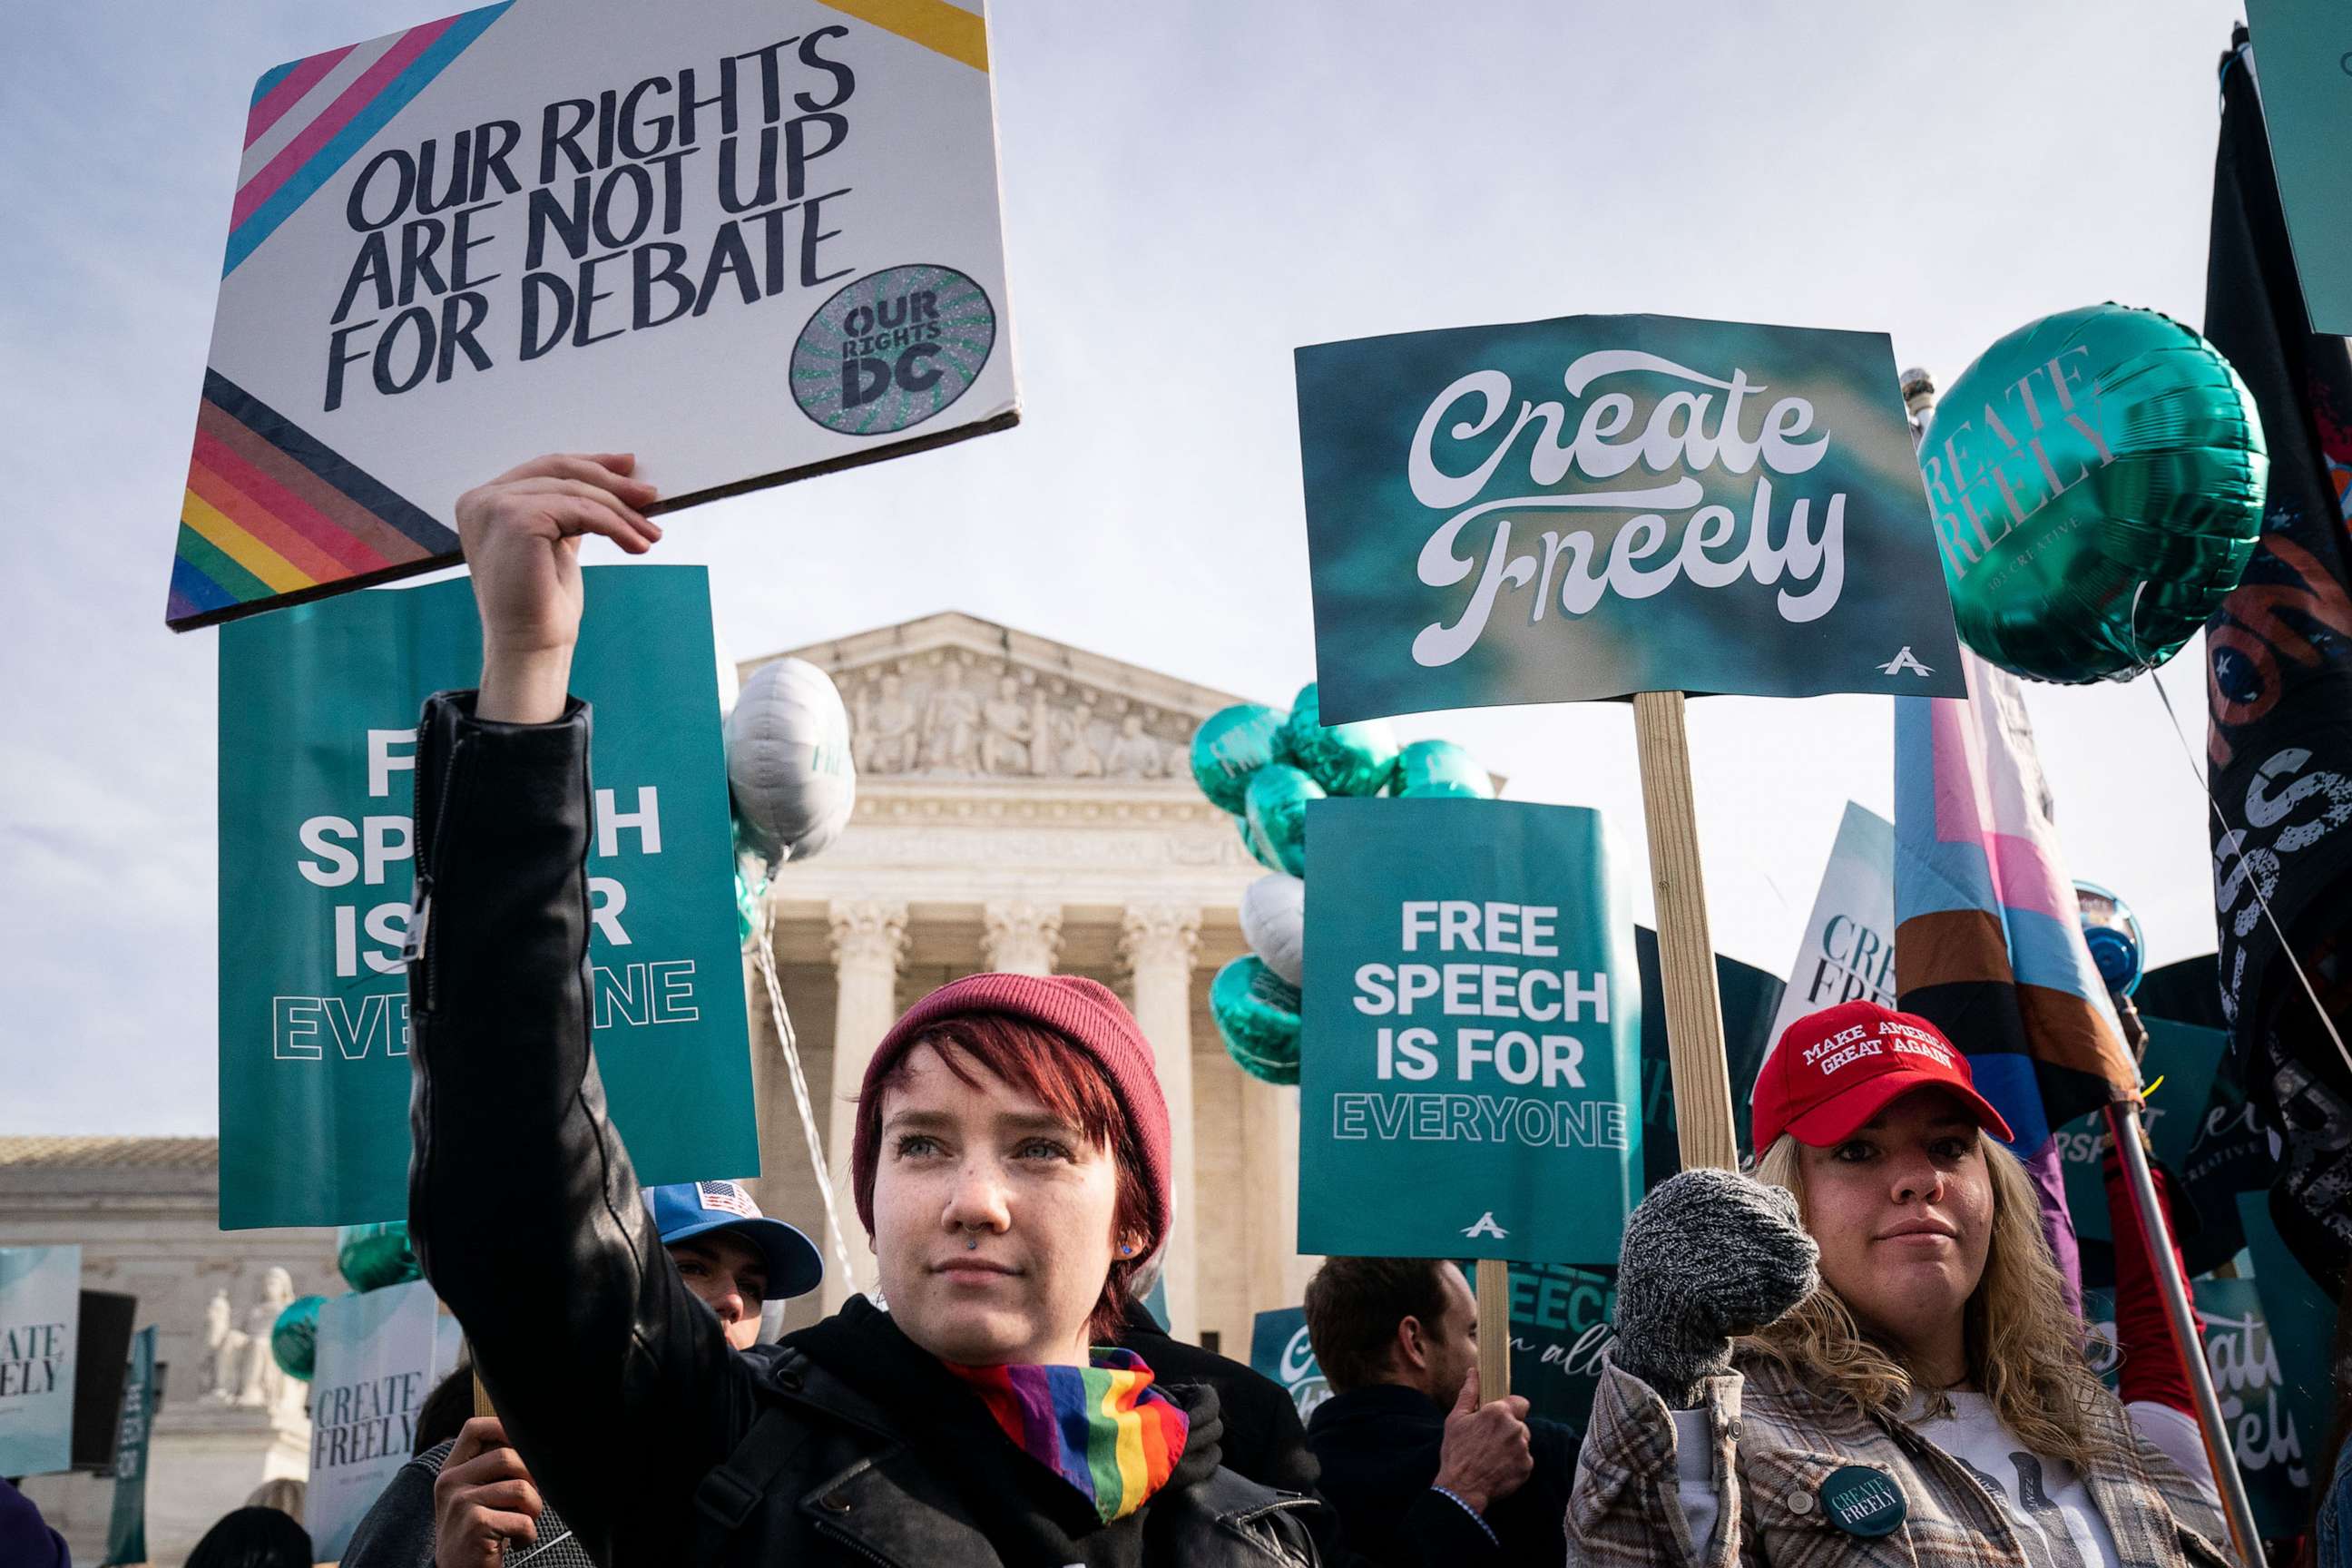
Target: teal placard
2302,62
1554,511
318,713
126,1527
40,1313
2185,1057
1281,1349
1469,1062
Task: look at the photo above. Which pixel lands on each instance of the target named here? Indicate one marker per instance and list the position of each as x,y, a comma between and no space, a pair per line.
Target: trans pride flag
1988,944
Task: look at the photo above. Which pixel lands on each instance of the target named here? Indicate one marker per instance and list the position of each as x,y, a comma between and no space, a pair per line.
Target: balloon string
2252,880
764,956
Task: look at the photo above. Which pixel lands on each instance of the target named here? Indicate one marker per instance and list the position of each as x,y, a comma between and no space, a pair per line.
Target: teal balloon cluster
1263,767
2096,480
370,1257
294,1337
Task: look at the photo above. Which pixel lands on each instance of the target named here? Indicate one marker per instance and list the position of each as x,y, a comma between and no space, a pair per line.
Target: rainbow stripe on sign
310,116
269,512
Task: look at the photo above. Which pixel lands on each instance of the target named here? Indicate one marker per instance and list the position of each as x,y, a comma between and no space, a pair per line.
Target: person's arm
615,1385
1708,1255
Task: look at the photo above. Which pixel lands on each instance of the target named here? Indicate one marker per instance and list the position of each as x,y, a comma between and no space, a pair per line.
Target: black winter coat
659,1443
1379,1447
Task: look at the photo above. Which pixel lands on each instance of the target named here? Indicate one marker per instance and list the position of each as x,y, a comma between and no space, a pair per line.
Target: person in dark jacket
1420,1471
1011,1166
467,1497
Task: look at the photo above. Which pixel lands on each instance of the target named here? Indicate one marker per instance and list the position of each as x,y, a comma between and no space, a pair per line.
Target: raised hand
521,533
482,1500
1485,1453
1708,1255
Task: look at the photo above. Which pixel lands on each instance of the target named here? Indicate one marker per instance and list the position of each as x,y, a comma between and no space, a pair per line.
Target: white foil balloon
1273,923
788,762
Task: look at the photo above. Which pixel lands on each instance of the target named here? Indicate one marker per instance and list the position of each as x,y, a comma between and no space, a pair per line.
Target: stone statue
951,724
885,739
222,1368
1079,757
1134,755
264,1383
1043,761
1005,741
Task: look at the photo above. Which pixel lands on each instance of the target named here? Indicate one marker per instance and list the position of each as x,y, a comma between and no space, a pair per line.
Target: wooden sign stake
1695,1052
1494,1331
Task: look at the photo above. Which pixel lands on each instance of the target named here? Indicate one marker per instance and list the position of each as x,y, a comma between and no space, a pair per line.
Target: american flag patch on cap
728,1198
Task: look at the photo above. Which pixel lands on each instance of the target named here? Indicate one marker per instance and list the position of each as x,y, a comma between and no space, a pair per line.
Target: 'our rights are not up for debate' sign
1596,505
319,707
1470,1067
747,240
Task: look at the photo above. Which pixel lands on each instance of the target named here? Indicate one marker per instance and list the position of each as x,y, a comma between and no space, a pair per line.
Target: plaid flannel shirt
1776,1442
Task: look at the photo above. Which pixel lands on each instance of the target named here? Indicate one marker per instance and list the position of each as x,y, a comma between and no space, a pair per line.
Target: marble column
1269,1185
1019,937
869,939
1156,943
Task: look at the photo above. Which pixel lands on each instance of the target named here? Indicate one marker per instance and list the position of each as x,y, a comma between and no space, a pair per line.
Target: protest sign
1280,1350
2275,1437
1714,507
747,240
1750,995
1471,1040
2303,58
40,1309
126,1528
318,719
380,1353
1848,953
2186,1058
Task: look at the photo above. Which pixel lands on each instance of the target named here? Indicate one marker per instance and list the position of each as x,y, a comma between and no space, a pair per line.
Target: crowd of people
1859,1353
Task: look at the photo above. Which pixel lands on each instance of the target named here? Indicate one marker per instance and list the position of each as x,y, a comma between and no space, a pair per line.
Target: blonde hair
2024,1347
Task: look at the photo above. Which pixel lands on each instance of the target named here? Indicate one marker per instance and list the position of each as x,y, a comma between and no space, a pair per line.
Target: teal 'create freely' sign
1553,510
40,1313
1280,1350
318,719
126,1528
1469,1065
2303,58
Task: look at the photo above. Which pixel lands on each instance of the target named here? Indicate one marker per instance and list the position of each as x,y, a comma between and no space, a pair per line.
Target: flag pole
2156,1234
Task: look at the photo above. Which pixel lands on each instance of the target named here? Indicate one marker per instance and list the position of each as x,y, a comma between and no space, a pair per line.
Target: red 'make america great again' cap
1836,1068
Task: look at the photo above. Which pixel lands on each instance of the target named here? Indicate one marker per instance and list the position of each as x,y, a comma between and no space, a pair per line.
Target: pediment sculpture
956,714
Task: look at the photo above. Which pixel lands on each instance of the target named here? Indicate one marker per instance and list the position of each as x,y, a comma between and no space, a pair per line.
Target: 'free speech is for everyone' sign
747,240
1469,1070
1711,506
317,751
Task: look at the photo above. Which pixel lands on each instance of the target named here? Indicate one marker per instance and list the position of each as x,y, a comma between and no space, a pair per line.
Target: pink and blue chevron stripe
310,116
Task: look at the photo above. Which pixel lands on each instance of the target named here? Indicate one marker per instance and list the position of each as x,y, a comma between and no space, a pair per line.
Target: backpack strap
731,1493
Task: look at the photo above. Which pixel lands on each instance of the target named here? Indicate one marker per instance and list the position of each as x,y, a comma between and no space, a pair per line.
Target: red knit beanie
1083,1011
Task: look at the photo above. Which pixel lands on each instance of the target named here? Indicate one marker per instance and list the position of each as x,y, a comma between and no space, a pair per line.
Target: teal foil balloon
1277,799
1257,1012
1257,851
1345,759
1440,768
370,1257
1229,745
2096,481
294,1337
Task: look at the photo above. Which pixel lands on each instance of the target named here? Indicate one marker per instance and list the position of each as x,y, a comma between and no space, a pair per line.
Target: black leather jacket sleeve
614,1383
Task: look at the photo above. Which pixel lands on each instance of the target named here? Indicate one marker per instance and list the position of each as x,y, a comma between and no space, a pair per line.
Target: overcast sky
1191,191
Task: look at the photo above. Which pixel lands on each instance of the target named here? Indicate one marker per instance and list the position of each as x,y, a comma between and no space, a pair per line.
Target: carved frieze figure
1134,755
951,724
887,736
1008,730
1079,757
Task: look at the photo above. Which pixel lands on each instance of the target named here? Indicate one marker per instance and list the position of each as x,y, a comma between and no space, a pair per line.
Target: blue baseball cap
696,1208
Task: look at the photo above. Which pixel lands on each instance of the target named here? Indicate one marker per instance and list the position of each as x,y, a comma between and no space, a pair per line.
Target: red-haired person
1011,1166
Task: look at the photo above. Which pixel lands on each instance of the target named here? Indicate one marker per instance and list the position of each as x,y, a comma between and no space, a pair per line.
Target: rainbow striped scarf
1103,1428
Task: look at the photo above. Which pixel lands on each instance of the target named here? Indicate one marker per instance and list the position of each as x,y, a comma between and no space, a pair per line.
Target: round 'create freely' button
893,349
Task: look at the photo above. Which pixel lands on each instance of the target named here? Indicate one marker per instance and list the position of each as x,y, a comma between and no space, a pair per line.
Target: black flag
2279,701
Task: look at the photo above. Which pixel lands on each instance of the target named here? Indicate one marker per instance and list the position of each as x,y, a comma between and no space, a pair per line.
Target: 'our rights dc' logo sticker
892,349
